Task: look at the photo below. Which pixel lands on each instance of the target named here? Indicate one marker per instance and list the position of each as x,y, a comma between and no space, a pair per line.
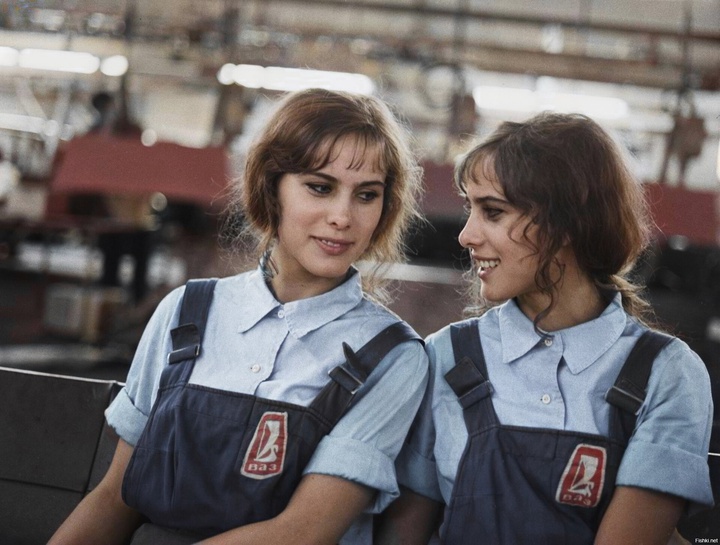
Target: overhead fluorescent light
117,65
8,56
63,61
525,100
225,74
57,60
23,123
277,78
503,98
249,75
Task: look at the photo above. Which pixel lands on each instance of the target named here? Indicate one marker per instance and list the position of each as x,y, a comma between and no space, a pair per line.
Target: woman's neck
576,300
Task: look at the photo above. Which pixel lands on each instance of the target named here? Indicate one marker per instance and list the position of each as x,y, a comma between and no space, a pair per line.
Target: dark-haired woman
529,433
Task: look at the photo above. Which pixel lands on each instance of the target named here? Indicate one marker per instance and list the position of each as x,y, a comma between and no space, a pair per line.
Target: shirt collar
582,344
304,315
517,333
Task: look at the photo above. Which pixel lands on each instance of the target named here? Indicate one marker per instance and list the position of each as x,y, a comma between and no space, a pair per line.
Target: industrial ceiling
659,56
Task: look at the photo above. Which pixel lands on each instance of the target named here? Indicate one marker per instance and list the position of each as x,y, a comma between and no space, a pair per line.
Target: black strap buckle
346,379
625,398
343,375
185,353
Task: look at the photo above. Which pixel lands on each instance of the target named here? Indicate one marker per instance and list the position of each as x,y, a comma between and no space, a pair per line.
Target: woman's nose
470,235
340,214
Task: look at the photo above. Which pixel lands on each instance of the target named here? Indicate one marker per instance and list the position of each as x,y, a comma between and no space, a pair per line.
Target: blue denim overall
518,485
211,460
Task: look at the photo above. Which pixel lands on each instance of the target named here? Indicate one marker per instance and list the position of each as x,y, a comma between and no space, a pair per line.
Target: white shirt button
548,341
545,399
281,313
255,368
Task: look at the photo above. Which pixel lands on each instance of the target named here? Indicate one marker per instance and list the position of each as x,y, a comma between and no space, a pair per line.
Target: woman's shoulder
229,288
483,325
676,362
439,344
673,346
240,281
369,309
241,288
677,353
168,308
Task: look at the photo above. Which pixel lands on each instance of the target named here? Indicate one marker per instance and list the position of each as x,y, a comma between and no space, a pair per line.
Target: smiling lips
333,247
487,264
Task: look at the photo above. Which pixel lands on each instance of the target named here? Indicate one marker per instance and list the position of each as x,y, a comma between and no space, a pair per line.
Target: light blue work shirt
560,382
256,345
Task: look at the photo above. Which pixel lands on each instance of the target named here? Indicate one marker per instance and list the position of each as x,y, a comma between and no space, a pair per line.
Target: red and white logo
265,457
584,476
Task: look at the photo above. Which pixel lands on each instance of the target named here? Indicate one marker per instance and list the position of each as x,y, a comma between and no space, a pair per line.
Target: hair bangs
466,169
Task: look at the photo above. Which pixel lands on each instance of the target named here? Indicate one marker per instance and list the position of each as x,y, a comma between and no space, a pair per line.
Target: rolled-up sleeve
125,418
418,472
668,450
362,447
416,465
129,411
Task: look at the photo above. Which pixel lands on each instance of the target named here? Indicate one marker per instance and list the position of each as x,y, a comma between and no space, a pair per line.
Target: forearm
270,531
639,516
102,516
319,513
410,520
99,518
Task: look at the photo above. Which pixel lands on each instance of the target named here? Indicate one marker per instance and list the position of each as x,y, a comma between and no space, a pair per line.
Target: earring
266,265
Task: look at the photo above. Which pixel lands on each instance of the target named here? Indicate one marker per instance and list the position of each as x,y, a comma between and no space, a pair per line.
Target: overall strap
468,377
187,337
347,378
628,392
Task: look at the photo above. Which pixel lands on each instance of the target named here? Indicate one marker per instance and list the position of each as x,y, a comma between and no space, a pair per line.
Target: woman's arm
320,512
412,519
667,451
102,516
637,515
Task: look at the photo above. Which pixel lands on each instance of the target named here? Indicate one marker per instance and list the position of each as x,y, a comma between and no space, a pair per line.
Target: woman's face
327,220
506,261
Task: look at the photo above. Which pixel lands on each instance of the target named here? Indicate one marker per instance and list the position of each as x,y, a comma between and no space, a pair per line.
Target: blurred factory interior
124,122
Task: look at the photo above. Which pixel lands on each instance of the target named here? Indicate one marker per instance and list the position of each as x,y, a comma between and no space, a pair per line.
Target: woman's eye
321,189
368,196
492,213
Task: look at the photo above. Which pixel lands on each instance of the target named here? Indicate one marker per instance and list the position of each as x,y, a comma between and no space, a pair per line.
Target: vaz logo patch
584,476
265,456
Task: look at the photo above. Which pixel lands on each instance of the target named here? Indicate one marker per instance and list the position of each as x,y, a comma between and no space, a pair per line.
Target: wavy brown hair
567,175
301,137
